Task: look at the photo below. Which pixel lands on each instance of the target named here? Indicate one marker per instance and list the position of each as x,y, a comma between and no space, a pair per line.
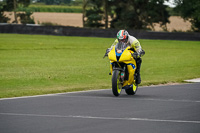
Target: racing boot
137,71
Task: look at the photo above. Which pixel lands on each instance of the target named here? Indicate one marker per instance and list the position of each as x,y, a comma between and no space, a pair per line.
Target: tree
3,18
138,14
94,15
12,5
189,10
105,3
135,14
85,2
25,17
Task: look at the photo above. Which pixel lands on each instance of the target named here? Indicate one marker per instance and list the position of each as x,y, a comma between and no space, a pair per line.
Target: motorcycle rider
123,36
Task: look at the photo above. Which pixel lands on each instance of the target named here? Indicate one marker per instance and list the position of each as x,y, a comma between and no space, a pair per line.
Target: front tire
116,84
132,90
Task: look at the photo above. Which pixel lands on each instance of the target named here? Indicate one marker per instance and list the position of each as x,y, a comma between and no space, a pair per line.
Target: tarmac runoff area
154,109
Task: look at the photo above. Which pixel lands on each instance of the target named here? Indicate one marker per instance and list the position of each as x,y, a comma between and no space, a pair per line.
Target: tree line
126,14
138,14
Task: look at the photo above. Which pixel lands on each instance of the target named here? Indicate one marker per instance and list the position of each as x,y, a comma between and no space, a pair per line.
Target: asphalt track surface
155,109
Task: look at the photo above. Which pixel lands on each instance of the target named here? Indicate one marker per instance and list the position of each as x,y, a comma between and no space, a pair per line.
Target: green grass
52,8
38,64
170,61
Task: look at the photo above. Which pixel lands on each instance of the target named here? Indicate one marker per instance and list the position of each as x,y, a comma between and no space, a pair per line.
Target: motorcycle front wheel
116,83
132,90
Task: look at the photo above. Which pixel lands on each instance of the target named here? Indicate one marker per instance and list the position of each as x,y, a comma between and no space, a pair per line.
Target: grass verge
39,64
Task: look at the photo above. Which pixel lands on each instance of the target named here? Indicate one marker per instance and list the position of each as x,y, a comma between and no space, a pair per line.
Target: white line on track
46,95
101,118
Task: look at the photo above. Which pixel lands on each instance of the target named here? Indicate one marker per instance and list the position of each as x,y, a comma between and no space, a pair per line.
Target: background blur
154,15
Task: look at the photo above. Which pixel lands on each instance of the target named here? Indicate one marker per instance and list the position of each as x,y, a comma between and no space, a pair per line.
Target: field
39,64
52,8
75,19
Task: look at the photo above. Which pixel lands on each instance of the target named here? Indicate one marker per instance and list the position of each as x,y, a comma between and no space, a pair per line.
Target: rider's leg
137,71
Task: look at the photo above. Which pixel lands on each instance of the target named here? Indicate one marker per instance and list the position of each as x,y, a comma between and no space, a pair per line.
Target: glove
135,55
108,50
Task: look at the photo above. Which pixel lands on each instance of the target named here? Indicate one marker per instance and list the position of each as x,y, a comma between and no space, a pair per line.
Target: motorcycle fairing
126,58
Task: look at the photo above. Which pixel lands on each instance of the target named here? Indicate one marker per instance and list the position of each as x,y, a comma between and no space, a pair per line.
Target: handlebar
132,49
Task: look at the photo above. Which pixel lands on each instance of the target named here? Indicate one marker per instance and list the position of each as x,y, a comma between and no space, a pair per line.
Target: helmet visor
122,40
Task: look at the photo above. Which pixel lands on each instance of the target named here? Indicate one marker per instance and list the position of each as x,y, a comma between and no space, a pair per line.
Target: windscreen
120,46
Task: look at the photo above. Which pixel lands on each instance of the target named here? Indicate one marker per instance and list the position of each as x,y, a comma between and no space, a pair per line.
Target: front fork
131,73
121,70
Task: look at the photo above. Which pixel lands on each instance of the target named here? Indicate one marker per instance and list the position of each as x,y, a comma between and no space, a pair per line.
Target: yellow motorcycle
123,66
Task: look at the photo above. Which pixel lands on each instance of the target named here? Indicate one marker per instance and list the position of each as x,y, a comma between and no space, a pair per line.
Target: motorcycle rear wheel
132,90
116,84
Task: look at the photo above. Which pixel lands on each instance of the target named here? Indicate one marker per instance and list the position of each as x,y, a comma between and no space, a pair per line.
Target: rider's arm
109,49
136,45
114,43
